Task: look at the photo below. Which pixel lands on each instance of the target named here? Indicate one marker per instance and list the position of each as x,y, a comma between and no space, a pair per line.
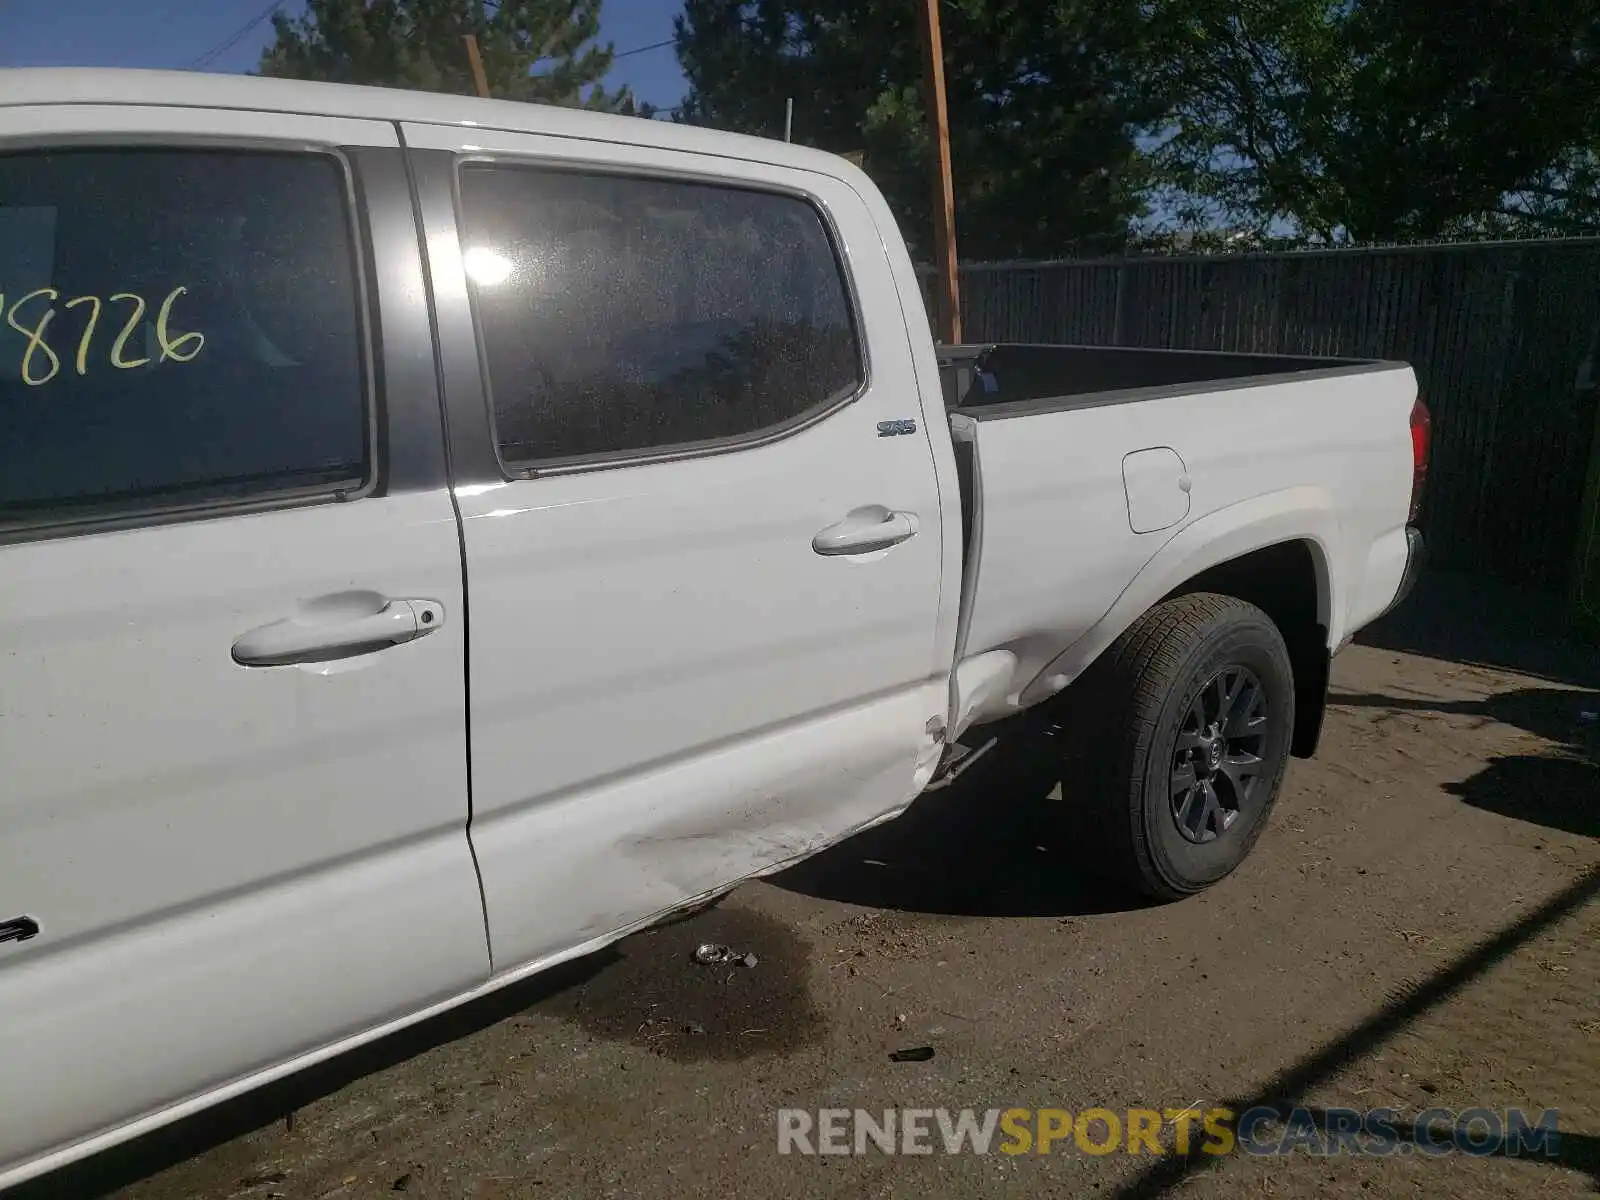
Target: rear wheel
1177,738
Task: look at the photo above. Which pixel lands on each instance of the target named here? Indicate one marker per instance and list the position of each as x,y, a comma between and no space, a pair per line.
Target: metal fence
1498,334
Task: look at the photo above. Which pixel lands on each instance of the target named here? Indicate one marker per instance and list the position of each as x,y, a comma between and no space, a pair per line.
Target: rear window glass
175,326
624,314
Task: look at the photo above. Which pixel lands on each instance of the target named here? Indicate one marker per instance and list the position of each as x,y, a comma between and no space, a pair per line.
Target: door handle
338,627
864,530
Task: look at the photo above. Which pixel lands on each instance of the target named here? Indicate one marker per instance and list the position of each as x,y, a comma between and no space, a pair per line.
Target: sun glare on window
486,267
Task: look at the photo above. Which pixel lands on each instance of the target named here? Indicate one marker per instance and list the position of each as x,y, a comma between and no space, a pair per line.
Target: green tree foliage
540,50
1044,99
1381,119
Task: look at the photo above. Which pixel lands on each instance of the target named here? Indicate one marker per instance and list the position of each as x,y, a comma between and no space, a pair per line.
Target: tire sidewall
1247,640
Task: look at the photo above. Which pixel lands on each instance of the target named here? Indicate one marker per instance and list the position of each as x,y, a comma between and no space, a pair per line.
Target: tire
1202,682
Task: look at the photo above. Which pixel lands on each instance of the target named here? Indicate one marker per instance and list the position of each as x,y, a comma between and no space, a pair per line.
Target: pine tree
538,50
1044,98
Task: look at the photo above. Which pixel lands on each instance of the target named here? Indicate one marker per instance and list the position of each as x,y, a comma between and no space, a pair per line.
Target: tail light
1421,444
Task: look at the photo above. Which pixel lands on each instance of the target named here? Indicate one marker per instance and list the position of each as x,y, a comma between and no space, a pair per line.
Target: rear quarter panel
1324,459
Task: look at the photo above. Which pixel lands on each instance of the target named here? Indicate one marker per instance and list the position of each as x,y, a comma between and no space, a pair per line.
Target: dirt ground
1419,927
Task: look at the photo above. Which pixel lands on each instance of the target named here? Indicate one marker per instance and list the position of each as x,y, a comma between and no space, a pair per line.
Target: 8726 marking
175,348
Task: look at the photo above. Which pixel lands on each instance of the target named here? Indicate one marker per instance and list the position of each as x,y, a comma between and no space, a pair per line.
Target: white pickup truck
439,537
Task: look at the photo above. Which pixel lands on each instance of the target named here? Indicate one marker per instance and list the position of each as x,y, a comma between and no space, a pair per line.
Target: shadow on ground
1558,792
994,844
1561,789
1579,1151
1561,715
1460,619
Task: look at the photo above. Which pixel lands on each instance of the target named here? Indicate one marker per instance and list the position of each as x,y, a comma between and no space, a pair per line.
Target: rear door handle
864,530
338,627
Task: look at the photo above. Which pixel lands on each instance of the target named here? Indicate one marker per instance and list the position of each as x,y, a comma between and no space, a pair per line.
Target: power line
642,49
494,6
217,51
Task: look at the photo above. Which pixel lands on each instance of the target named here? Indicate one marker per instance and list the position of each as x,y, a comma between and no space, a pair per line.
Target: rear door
232,691
702,527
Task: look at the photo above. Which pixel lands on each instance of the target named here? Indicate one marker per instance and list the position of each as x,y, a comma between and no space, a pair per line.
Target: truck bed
1006,379
1084,468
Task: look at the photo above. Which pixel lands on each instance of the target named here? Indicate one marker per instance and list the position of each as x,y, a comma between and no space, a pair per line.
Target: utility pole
788,119
948,321
476,60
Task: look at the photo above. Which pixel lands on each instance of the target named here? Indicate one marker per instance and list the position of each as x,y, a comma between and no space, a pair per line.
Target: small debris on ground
912,1054
695,1028
402,1183
710,954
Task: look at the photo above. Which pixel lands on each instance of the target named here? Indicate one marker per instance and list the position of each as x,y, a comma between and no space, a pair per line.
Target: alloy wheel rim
1217,760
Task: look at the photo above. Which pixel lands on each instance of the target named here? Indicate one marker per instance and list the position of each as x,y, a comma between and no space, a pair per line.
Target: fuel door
1157,485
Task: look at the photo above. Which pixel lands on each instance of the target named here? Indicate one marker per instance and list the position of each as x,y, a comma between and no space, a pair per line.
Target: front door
232,692
703,537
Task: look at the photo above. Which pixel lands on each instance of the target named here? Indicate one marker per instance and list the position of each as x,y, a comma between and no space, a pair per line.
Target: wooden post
476,59
948,320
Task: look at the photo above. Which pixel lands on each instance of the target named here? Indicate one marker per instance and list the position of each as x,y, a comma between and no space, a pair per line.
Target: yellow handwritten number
176,348
127,331
35,336
183,347
88,332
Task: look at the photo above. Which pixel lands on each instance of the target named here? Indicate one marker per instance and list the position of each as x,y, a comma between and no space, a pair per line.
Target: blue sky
175,33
